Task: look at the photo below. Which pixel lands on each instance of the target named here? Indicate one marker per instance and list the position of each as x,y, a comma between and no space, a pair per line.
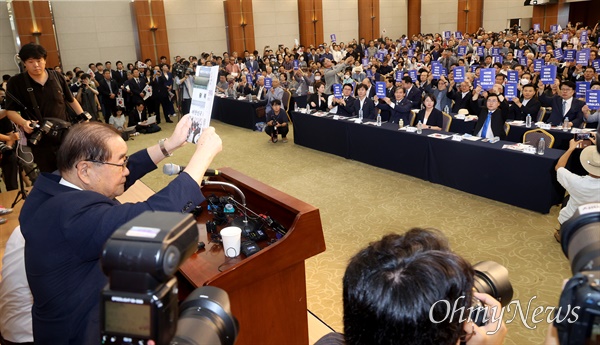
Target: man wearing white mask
526,104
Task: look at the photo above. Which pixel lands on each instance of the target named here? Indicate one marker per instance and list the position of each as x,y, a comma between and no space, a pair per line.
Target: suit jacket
368,108
532,108
136,89
315,98
252,65
65,230
574,114
400,110
348,109
257,89
496,124
105,91
460,102
414,96
436,118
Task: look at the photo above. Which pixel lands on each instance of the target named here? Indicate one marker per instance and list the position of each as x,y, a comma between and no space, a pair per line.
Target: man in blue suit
70,214
564,105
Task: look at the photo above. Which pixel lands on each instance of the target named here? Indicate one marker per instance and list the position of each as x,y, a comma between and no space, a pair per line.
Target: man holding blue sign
345,104
592,99
526,105
564,106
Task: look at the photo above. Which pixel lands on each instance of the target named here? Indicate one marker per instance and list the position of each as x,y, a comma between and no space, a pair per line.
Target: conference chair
413,116
541,114
447,122
533,136
285,101
506,128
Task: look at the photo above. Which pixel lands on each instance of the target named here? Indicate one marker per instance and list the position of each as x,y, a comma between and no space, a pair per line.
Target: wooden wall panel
472,20
413,17
310,19
547,15
24,19
240,26
368,19
152,29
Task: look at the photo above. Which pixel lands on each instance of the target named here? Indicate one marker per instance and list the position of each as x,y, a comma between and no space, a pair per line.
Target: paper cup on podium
231,241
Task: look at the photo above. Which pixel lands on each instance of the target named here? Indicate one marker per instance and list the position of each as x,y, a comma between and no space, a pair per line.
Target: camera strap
34,104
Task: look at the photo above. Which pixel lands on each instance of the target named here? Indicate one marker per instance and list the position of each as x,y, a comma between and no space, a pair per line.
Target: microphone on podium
174,169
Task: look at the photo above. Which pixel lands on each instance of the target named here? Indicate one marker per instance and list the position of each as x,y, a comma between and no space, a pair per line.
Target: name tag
336,117
359,121
576,130
545,126
457,137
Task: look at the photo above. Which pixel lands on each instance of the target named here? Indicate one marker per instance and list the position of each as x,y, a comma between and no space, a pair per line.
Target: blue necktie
486,124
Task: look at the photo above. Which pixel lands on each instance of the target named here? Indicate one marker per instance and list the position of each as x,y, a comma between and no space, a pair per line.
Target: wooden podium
267,290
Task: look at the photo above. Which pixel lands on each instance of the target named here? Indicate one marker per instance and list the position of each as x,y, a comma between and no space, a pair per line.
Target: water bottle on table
541,146
566,124
528,121
378,120
360,115
419,127
400,123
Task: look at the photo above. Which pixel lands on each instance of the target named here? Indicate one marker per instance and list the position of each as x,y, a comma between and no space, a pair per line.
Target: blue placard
570,55
447,35
542,48
537,64
462,51
487,78
512,76
365,62
584,37
337,90
582,57
403,42
581,88
518,53
510,91
592,99
495,51
548,74
296,64
459,74
398,75
411,53
558,54
413,45
249,79
379,56
553,28
380,89
458,35
523,60
480,51
475,83
268,83
536,27
332,36
472,68
596,65
497,58
565,37
412,74
436,69
369,73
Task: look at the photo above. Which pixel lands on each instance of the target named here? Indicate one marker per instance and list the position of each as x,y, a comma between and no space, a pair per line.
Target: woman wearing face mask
301,62
347,77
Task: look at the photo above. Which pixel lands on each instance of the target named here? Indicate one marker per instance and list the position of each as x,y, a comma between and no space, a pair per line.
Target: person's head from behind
93,156
390,286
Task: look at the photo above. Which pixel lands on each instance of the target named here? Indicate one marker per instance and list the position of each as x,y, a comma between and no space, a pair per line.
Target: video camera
140,303
580,242
180,69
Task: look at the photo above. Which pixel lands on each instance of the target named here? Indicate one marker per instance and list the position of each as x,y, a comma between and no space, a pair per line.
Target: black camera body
578,315
54,129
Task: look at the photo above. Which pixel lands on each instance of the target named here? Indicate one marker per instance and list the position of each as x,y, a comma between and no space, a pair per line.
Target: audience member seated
363,104
462,97
318,100
564,106
382,305
139,118
345,105
399,107
413,93
430,117
490,123
277,122
276,92
525,105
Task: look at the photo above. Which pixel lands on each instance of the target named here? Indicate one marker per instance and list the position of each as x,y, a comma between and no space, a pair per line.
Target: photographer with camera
87,96
392,291
68,217
186,87
277,122
37,94
8,142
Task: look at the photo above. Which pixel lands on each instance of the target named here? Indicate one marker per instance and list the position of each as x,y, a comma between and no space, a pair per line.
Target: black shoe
169,121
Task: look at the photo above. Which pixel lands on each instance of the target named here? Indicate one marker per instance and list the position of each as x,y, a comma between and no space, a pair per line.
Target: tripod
22,194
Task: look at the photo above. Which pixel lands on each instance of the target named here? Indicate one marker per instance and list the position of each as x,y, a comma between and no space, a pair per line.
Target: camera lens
579,238
492,278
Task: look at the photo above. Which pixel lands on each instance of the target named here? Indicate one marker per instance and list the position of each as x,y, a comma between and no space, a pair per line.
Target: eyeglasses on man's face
122,165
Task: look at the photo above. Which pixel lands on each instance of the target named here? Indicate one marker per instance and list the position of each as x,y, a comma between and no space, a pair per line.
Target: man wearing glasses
564,105
490,122
68,217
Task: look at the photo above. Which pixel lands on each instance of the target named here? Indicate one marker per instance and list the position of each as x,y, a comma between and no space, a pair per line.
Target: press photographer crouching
68,217
277,122
411,289
36,95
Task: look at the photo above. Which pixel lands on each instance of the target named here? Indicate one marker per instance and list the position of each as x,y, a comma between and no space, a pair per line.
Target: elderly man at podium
69,216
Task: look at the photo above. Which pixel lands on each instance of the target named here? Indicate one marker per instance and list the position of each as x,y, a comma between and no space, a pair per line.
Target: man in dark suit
526,104
120,74
564,106
461,97
108,89
345,105
135,87
364,103
490,123
259,89
413,93
370,89
68,217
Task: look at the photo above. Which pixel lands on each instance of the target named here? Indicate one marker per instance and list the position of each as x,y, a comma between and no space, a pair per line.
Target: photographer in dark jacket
8,140
277,122
51,94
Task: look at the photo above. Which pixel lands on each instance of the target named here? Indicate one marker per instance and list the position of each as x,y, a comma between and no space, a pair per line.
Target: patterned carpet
360,203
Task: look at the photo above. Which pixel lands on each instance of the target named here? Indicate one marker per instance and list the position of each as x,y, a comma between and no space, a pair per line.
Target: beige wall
195,27
393,17
94,31
340,17
438,15
7,43
275,22
496,14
